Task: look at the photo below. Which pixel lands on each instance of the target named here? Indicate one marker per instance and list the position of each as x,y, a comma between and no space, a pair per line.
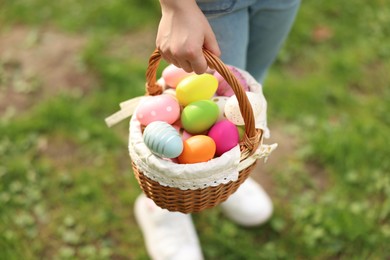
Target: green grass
66,188
113,16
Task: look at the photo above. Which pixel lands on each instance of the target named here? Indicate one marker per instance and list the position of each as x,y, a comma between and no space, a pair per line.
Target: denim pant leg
270,23
250,32
232,33
229,20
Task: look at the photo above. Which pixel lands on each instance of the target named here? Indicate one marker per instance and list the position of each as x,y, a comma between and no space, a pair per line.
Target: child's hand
182,33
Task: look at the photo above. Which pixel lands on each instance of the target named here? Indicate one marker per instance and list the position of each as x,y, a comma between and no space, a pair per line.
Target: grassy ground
66,188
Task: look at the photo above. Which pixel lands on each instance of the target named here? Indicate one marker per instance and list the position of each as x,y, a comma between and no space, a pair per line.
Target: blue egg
163,139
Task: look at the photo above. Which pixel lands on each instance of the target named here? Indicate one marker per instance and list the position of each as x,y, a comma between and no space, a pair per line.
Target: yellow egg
196,87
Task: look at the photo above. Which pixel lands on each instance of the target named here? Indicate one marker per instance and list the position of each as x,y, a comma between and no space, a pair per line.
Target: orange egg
198,148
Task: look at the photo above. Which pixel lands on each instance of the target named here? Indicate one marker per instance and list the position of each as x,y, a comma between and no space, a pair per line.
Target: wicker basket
189,201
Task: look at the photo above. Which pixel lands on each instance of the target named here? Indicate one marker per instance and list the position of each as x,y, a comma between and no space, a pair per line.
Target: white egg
170,91
232,109
161,83
221,102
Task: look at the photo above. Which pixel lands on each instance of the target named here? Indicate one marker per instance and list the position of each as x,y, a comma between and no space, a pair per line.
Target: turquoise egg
199,116
163,140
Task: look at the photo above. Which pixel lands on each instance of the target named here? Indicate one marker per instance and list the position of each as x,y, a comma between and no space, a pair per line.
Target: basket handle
215,63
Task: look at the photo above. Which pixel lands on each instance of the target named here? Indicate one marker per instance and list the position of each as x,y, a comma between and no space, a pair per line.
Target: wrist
177,5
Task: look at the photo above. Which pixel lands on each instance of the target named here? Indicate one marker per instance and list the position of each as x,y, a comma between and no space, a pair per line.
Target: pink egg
185,135
174,160
177,125
172,75
179,128
158,108
224,88
225,135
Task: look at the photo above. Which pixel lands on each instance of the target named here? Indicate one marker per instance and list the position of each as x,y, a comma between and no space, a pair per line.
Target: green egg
199,116
241,131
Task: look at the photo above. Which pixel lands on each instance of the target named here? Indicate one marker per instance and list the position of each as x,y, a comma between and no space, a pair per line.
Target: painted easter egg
241,131
232,109
163,140
196,87
185,135
172,75
161,83
224,89
177,125
196,149
158,108
199,116
220,101
225,135
170,91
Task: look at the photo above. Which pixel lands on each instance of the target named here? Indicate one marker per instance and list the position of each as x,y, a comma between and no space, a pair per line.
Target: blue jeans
250,33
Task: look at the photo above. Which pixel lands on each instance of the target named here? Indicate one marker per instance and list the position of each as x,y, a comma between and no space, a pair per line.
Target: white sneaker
249,205
168,235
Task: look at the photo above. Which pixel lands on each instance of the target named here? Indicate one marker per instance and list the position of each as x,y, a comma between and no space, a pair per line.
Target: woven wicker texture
189,201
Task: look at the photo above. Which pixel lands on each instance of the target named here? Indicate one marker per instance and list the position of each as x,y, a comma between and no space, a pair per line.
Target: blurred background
66,186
